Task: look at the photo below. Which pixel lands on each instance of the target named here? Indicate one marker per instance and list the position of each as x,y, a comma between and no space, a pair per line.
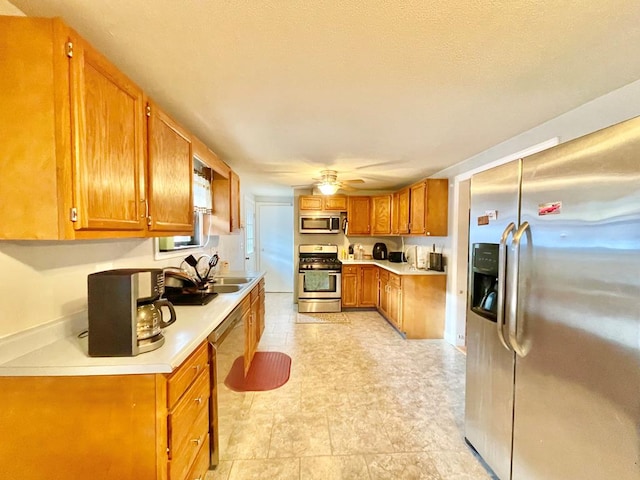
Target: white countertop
397,268
68,356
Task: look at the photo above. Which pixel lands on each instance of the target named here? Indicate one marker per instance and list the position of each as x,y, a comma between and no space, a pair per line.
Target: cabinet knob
196,441
198,400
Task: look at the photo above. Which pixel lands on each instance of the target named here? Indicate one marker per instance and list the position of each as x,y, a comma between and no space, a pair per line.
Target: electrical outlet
460,336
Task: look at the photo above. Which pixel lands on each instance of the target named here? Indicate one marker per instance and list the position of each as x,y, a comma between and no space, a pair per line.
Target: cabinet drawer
349,269
395,280
186,373
190,415
245,305
384,275
201,465
190,460
255,293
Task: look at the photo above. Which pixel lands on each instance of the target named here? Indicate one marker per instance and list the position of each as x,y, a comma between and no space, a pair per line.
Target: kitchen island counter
69,356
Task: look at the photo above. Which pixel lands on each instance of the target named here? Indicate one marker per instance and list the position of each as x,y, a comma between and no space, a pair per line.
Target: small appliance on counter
435,260
380,251
125,316
397,257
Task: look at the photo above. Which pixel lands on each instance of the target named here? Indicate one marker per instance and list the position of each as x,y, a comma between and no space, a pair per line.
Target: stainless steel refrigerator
553,322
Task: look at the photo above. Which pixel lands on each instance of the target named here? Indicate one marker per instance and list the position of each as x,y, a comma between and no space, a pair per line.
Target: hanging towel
316,281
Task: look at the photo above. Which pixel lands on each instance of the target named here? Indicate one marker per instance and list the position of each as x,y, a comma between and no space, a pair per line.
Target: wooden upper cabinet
170,170
429,207
359,214
335,203
107,114
310,202
323,203
400,212
72,137
235,202
381,215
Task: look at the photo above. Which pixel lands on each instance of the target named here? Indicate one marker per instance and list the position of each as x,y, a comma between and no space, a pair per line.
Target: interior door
250,235
275,234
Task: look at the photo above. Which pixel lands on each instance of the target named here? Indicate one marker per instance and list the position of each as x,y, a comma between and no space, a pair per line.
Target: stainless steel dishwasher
228,343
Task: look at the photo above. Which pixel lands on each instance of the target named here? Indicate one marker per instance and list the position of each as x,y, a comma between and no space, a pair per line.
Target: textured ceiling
387,91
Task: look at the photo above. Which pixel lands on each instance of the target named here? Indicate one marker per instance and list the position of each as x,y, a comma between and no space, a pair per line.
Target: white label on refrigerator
492,214
552,208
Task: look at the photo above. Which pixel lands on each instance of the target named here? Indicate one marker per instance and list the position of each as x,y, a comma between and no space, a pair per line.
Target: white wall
604,111
46,281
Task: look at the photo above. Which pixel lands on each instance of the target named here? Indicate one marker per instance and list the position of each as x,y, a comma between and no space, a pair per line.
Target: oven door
319,284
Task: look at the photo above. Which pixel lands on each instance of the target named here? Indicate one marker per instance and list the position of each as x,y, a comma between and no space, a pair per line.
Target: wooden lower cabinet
390,297
413,304
359,286
253,306
147,427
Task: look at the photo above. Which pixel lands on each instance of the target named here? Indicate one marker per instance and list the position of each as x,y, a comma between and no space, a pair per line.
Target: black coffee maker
380,251
125,316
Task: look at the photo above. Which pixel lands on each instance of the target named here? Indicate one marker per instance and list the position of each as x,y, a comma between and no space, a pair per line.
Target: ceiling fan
328,183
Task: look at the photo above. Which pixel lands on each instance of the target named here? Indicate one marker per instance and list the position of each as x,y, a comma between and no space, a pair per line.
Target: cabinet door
335,203
401,211
381,215
170,170
359,215
368,286
249,338
395,301
235,202
349,289
437,216
417,209
383,285
107,114
310,202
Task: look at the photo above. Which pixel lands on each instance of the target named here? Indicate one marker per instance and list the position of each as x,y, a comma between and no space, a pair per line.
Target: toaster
397,257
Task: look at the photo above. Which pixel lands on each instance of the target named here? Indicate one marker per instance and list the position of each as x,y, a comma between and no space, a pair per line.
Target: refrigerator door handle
513,307
502,286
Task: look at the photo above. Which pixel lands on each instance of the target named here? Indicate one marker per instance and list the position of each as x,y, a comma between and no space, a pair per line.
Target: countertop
397,268
68,356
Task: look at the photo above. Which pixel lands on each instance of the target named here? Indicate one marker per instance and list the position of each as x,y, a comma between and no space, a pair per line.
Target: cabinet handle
198,400
196,441
196,368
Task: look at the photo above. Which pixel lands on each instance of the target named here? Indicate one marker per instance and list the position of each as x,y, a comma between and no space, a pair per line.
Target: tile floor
361,403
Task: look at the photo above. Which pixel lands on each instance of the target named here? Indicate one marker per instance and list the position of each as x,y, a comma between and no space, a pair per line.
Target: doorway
250,235
275,251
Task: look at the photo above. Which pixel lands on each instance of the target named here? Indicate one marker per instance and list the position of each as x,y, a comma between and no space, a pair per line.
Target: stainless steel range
319,279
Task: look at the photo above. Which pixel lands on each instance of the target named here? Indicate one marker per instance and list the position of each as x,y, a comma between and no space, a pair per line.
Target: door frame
455,327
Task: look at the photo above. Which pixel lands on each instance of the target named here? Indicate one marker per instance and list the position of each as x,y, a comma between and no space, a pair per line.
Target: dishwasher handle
228,324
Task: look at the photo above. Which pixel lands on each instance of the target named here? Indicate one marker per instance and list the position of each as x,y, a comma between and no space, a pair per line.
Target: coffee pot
124,311
150,321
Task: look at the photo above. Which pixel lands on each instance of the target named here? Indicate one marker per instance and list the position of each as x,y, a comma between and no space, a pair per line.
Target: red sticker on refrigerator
552,208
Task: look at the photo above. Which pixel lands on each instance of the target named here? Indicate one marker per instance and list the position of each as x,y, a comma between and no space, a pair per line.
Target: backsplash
46,281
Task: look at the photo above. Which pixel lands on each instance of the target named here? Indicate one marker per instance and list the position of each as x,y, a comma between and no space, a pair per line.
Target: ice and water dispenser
484,279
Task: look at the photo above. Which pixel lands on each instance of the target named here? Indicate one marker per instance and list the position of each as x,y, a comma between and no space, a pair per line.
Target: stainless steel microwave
319,224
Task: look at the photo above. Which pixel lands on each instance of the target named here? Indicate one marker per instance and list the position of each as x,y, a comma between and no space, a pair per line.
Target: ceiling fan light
328,188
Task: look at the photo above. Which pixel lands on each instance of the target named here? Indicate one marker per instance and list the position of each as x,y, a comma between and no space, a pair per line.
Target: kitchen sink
231,280
216,288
